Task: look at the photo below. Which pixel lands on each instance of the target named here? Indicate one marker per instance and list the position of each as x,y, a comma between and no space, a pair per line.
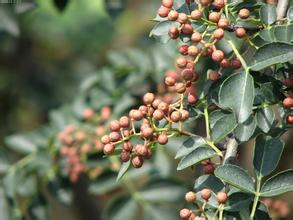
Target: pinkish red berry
136,115
181,62
214,75
173,15
192,99
218,55
236,64
222,197
137,162
180,87
167,3
214,17
170,81
185,214
175,116
173,33
196,14
127,146
219,4
106,139
187,29
182,18
164,107
288,102
115,125
240,32
223,23
109,149
193,51
184,115
88,113
148,98
163,11
187,74
125,156
225,63
114,136
206,194
124,122
162,139
219,33
190,197
196,37
290,119
244,13
183,50
158,114
147,132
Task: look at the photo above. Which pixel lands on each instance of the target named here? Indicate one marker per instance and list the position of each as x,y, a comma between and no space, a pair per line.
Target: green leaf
237,201
162,191
265,118
278,184
267,153
290,13
268,14
208,181
4,163
245,130
121,208
278,33
4,207
236,177
104,183
222,124
162,162
271,54
178,4
190,145
160,31
8,22
152,212
123,169
196,156
126,101
26,185
237,93
9,182
269,92
262,212
20,144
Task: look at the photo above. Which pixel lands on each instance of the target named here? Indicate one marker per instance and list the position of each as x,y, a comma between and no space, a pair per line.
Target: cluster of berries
208,167
184,83
277,208
203,43
288,103
190,197
157,121
79,142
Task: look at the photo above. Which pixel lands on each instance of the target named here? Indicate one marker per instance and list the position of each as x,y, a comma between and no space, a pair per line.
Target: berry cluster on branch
78,142
199,212
157,121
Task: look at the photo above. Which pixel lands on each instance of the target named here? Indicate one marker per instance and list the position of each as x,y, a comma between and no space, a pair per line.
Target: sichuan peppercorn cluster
154,122
78,142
